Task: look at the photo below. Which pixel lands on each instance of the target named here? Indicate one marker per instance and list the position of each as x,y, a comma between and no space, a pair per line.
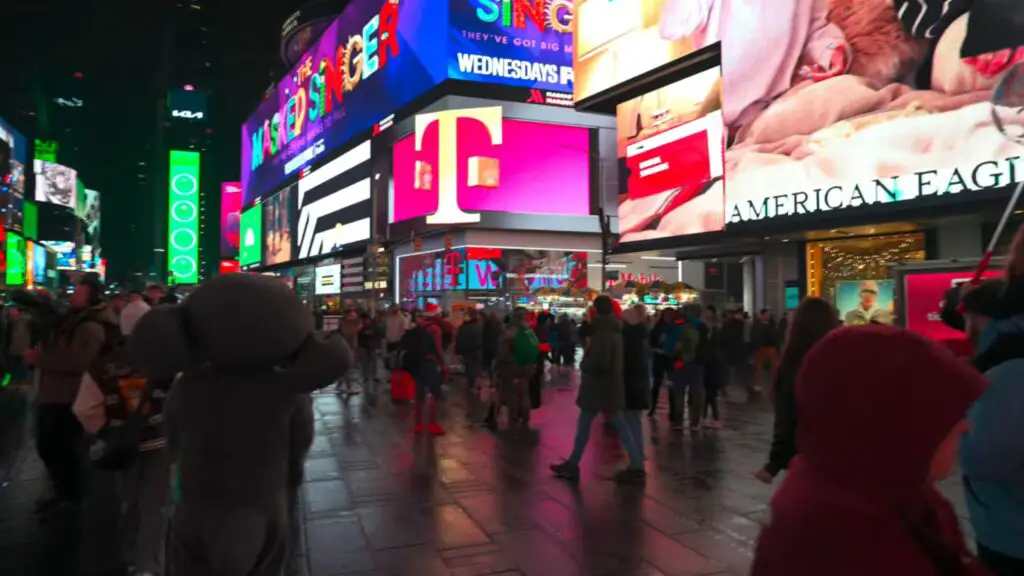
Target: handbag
117,447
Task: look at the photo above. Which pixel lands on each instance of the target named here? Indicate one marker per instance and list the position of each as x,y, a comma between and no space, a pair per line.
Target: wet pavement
379,500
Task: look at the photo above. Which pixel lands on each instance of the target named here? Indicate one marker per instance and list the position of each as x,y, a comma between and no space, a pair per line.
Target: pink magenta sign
536,169
924,294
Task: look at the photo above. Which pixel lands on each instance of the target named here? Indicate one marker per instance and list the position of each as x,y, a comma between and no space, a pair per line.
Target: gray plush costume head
240,323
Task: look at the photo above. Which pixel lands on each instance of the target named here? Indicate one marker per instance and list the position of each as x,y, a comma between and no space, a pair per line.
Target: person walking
636,357
79,338
663,338
764,341
514,368
111,392
566,351
469,344
349,329
813,320
395,325
423,357
691,357
876,434
737,353
602,389
992,449
717,370
369,339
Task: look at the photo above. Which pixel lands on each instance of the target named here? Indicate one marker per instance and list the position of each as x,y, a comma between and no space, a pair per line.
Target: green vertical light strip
30,220
183,218
15,274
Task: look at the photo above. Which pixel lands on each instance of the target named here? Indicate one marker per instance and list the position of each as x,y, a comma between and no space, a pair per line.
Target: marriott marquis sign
876,191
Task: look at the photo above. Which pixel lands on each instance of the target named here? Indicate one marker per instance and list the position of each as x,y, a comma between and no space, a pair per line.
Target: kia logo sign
187,114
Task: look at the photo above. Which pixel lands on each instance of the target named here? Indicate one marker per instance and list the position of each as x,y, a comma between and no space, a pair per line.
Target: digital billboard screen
39,257
30,219
230,218
524,43
67,254
618,41
183,218
670,145
15,273
328,279
335,204
278,221
56,184
91,213
250,251
535,168
375,58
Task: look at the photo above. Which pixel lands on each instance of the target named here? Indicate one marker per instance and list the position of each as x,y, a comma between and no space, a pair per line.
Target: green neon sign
183,218
15,274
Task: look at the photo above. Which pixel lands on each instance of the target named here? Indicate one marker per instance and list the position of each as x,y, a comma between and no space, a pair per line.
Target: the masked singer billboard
524,43
375,58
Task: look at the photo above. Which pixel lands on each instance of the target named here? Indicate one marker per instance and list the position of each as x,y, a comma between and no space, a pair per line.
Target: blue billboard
17,142
526,43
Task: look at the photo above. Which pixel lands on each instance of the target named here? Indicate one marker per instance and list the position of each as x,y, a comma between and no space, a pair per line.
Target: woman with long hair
813,319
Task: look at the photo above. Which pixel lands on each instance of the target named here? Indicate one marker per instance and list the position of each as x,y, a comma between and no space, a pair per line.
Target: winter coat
992,451
863,503
79,339
764,335
491,335
733,345
601,371
636,357
469,340
783,446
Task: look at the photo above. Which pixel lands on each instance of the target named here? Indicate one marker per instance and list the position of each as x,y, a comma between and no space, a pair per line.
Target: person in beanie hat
423,358
874,438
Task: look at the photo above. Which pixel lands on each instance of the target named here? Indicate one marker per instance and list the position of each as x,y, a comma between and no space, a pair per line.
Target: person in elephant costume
246,355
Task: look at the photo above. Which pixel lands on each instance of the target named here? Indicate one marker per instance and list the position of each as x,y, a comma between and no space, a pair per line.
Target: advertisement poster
67,254
278,215
15,274
375,58
529,270
230,218
516,43
924,293
861,302
39,264
250,251
335,204
537,169
92,213
670,146
56,184
328,280
617,41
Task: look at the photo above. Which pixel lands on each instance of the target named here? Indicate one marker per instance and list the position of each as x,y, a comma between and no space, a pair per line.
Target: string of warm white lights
867,259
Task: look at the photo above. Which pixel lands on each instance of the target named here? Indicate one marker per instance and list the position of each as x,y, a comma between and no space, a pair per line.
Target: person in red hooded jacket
881,413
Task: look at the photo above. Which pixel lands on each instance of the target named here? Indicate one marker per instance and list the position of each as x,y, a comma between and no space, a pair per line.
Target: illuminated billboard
278,221
375,58
464,162
91,213
30,220
335,204
16,142
525,43
15,273
230,216
56,184
670,148
250,251
67,254
39,258
183,218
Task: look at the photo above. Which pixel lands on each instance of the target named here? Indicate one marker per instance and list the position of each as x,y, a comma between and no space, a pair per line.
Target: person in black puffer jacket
636,353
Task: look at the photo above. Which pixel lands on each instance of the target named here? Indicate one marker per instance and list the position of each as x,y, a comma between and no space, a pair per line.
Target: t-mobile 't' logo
483,171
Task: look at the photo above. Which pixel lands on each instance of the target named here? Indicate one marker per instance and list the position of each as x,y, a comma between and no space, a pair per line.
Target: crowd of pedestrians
862,446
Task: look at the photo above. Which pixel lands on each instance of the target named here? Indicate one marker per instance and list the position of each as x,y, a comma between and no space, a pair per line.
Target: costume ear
319,362
159,344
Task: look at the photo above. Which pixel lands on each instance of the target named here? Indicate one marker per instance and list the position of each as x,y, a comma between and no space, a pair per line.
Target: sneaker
436,430
419,428
566,470
630,476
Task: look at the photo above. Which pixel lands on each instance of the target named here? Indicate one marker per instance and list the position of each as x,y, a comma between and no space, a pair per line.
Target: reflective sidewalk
380,501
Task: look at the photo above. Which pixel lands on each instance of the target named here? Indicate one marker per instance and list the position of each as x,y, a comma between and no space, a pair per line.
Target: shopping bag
403,388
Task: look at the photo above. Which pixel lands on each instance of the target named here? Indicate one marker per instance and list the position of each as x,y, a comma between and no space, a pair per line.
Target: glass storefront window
855,274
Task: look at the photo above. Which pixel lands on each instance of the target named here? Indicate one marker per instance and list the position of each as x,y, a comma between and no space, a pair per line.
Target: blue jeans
632,443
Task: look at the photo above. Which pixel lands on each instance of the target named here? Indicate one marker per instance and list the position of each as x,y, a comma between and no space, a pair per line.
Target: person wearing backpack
692,356
81,335
127,443
423,358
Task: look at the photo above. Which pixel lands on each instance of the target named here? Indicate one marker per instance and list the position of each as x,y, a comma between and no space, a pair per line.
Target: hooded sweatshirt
992,451
857,499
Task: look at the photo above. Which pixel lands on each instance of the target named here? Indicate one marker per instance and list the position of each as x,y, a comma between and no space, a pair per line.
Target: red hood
873,403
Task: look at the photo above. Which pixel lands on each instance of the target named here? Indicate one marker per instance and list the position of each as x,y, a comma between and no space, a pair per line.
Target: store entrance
856,274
